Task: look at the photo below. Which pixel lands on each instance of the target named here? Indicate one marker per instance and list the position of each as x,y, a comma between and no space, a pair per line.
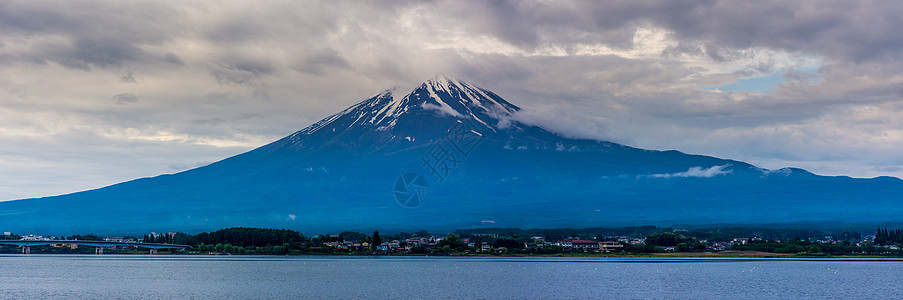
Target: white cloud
697,172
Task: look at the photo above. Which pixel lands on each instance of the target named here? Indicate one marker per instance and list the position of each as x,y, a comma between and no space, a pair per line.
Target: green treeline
813,248
512,241
884,237
248,237
713,234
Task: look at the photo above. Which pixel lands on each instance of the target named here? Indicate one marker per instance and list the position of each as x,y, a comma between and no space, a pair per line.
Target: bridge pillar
153,251
26,250
98,250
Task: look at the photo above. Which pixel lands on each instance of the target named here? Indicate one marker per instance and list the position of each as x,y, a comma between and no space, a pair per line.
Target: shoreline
724,254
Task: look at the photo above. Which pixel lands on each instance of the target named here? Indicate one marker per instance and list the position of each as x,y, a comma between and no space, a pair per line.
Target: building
585,245
32,237
720,246
117,239
610,246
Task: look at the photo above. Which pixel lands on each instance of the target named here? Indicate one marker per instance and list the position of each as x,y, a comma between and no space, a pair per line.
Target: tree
507,243
666,239
814,249
376,240
354,237
881,237
454,242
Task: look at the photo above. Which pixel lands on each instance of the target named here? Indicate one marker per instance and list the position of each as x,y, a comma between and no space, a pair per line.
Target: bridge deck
91,243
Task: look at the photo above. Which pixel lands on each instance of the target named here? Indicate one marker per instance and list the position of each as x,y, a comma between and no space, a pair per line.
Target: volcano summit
451,155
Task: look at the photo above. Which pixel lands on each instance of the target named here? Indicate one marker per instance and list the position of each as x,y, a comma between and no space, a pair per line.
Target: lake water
305,277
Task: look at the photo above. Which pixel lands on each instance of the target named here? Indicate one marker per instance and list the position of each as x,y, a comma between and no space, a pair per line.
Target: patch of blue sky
765,84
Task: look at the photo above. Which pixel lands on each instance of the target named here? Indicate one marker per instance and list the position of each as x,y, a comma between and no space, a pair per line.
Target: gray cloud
125,98
103,53
322,61
172,58
836,29
128,76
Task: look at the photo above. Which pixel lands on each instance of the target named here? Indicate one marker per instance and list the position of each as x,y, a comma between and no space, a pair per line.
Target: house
720,246
741,240
609,246
536,244
585,245
567,244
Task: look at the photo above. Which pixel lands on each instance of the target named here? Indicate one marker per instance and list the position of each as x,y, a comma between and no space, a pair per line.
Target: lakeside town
582,242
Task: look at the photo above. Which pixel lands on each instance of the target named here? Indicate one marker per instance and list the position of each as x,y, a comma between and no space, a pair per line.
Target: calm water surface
269,277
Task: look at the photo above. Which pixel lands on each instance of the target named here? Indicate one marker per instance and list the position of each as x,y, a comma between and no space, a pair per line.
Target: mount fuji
450,155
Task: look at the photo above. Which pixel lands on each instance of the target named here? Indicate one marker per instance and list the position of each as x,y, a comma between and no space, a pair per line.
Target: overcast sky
97,92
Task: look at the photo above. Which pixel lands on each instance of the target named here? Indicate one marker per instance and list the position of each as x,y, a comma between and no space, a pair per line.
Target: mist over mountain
451,155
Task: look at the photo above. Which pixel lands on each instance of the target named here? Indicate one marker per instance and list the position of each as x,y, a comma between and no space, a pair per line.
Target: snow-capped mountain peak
459,98
440,98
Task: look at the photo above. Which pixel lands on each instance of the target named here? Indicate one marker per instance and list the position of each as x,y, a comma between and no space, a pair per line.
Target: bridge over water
27,244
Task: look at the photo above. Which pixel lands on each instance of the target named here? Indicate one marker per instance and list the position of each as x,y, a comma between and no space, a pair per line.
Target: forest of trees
9,237
884,237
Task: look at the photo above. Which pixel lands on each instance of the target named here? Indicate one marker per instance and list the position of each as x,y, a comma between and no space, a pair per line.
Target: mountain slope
478,166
